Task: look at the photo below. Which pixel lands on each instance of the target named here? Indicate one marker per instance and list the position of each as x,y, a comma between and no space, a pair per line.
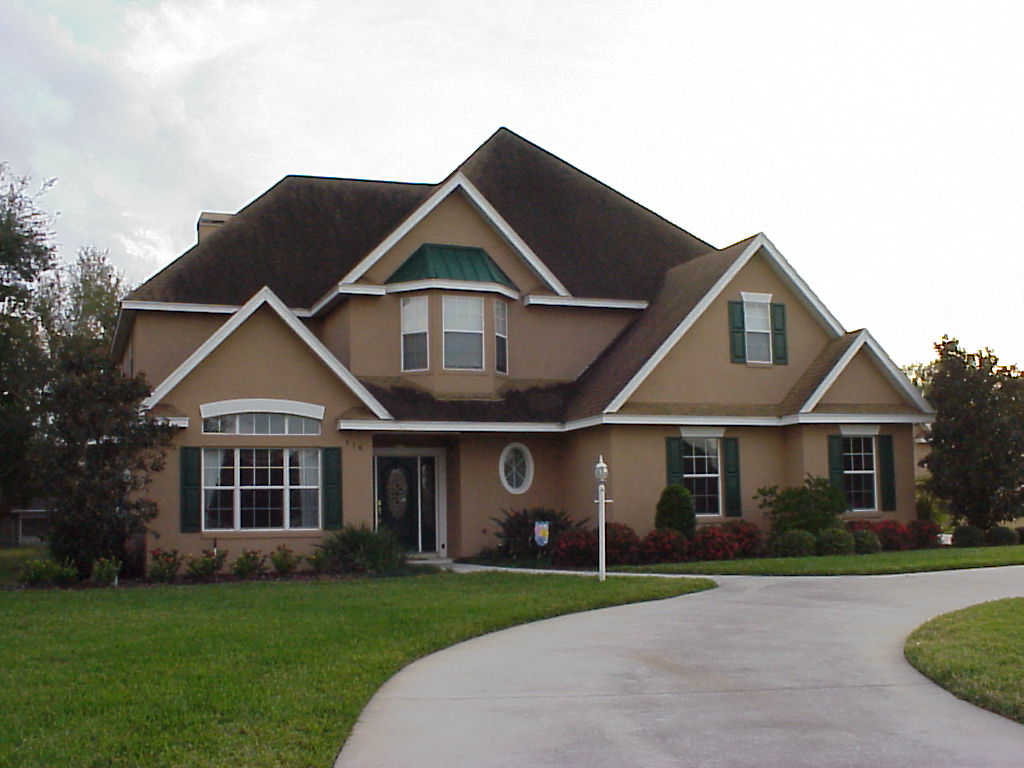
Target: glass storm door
406,500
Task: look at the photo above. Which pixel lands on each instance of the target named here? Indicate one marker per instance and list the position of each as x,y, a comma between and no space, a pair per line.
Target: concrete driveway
763,671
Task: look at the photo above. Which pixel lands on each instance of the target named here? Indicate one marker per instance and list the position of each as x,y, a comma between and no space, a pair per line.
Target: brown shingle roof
305,233
816,372
536,404
683,288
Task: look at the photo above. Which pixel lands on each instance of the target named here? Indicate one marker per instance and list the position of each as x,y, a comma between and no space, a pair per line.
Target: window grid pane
700,473
859,472
463,313
252,488
464,350
261,424
500,337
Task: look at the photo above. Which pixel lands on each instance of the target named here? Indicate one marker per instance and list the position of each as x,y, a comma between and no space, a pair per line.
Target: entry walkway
761,672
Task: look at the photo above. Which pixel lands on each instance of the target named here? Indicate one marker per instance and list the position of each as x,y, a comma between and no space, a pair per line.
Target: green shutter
835,462
674,460
731,462
887,473
779,351
330,459
191,487
737,338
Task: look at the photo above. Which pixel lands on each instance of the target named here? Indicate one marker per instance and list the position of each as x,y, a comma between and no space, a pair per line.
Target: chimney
209,222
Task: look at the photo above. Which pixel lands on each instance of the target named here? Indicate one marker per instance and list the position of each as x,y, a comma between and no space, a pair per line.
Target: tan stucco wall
455,221
482,495
262,359
699,370
161,341
862,382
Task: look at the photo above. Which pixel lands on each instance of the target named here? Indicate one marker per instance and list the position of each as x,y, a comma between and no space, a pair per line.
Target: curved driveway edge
763,671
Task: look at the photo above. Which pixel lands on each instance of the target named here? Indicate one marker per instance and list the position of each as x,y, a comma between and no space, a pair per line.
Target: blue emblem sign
540,533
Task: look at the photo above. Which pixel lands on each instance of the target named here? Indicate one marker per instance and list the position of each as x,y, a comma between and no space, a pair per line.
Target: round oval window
515,468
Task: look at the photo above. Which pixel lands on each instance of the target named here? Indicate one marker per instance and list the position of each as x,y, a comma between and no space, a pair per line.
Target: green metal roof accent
450,262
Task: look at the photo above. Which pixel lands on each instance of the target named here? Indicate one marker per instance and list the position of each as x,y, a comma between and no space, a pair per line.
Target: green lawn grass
13,559
977,654
942,559
244,674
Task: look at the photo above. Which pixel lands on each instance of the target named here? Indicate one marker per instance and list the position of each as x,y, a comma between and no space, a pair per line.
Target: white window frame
291,424
528,478
286,487
712,436
452,301
751,300
415,301
500,332
873,472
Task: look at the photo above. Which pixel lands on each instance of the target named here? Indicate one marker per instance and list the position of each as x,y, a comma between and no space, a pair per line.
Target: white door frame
440,486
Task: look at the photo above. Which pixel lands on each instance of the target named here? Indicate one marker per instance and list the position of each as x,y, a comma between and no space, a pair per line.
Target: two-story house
421,356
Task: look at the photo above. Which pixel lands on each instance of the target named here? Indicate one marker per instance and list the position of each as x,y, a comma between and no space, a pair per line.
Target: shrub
46,572
106,570
284,560
578,548
205,565
836,541
1020,533
813,507
748,537
164,564
515,531
714,542
924,534
317,561
664,545
866,542
250,563
357,549
1001,536
893,535
794,543
675,511
968,536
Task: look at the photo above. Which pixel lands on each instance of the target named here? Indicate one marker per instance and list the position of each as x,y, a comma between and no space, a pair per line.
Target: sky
879,145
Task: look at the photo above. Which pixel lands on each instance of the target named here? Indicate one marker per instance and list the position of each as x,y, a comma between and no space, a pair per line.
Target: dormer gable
450,263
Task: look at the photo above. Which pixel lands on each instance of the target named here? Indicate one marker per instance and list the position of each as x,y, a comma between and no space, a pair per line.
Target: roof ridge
549,153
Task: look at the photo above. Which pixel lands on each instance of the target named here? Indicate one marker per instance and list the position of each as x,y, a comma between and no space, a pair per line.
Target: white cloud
877,144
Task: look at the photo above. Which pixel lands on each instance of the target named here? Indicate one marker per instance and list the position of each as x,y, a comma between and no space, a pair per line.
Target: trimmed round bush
579,548
1001,536
748,537
714,542
794,543
664,545
968,536
675,510
1020,533
866,542
835,541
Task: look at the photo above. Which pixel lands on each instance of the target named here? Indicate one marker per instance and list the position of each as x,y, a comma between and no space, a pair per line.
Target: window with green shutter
757,330
862,466
709,468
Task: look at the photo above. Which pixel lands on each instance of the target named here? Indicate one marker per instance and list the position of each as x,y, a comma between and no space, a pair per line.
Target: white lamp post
601,473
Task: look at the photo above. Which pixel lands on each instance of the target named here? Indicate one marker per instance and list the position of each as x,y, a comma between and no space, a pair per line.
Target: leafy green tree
977,440
95,451
27,252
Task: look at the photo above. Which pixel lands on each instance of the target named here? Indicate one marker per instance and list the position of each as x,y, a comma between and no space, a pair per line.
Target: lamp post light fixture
601,473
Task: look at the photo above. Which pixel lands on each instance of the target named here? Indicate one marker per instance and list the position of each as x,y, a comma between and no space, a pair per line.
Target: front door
407,499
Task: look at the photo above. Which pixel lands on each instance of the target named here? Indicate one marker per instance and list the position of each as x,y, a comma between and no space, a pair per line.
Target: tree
977,440
27,252
95,449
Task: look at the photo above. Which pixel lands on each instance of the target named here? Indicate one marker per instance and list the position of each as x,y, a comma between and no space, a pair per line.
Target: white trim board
262,405
209,309
864,338
780,266
268,297
457,181
572,301
364,425
452,285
